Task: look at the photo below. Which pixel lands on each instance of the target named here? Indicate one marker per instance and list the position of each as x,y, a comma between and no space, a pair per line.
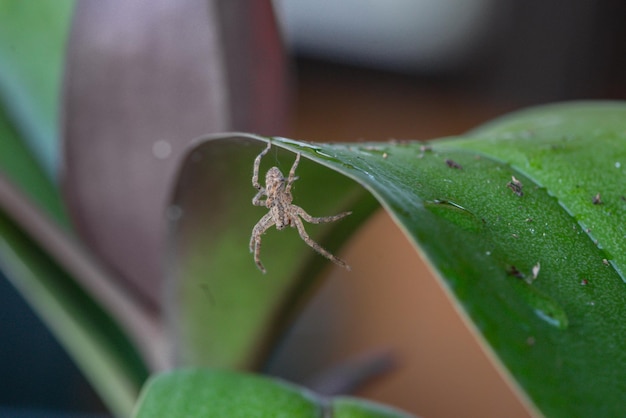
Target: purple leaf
143,79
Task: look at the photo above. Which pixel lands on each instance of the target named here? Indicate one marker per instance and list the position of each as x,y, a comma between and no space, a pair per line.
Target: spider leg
256,200
320,220
257,164
255,240
292,174
305,237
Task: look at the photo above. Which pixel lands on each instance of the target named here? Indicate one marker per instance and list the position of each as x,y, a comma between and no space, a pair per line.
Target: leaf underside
522,220
225,311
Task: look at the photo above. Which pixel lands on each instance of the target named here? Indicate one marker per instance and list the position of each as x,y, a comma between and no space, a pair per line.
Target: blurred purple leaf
144,78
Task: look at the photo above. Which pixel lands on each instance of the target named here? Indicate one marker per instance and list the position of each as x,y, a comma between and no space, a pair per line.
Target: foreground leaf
210,393
507,217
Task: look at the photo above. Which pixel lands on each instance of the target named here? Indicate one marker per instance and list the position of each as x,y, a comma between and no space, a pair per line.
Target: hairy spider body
282,213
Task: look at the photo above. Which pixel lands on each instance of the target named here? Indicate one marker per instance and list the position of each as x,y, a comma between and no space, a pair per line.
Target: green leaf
507,216
32,45
213,393
32,52
575,152
20,167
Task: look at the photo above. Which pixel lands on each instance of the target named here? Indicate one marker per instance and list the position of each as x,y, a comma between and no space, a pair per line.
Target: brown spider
282,212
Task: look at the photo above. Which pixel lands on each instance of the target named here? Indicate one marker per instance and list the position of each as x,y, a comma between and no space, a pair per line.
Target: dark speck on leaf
453,164
513,271
516,186
597,200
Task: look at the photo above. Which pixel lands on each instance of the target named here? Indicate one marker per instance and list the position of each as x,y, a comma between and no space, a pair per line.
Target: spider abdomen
280,215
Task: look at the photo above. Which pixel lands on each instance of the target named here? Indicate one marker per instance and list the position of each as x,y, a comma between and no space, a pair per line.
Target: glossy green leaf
508,216
211,393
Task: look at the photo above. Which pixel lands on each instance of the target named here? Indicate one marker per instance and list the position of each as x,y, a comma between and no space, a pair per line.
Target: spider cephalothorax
282,212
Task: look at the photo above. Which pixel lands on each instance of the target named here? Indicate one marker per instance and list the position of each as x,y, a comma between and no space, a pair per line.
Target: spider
282,212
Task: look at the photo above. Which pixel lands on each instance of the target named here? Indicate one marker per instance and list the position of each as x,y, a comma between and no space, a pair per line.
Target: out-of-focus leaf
68,290
143,79
32,46
95,341
210,393
509,217
18,164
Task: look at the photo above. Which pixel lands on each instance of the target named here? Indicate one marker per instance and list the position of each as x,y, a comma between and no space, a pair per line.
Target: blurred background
377,70
427,68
